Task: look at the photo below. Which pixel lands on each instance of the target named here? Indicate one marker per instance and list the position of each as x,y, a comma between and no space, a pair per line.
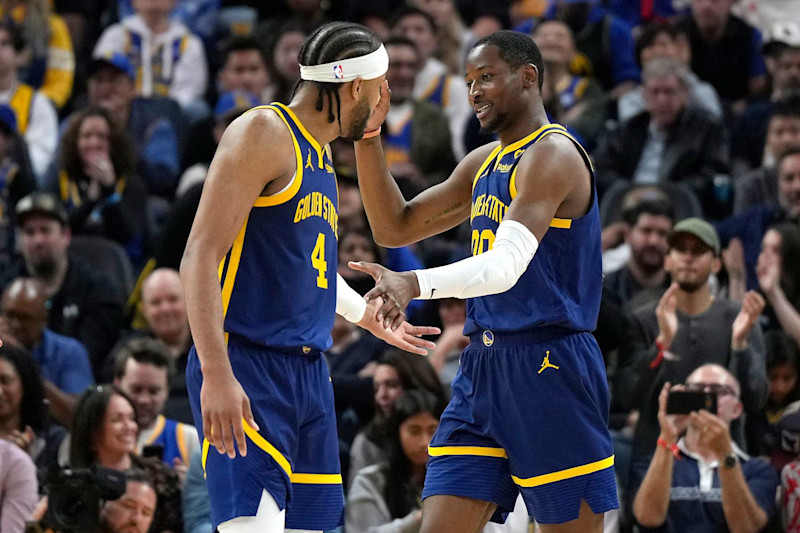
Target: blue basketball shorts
529,415
294,455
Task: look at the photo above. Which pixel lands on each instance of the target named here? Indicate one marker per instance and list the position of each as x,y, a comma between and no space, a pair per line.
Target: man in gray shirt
690,327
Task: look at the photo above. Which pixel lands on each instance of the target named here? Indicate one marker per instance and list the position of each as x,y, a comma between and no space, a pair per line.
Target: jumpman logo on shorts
547,364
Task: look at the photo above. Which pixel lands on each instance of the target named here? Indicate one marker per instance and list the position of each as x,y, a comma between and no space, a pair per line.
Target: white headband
368,67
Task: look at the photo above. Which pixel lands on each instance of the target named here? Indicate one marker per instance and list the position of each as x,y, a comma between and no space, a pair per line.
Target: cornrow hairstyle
516,49
331,42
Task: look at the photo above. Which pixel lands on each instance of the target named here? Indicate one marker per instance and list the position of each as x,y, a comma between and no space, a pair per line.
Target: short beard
692,287
358,121
44,269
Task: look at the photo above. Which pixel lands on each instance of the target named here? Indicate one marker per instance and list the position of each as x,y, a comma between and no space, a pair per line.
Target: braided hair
331,42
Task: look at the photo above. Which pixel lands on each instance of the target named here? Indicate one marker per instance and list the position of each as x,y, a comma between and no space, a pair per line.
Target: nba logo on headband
337,72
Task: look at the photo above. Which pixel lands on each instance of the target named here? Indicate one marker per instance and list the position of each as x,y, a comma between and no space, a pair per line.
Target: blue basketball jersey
563,282
279,278
169,434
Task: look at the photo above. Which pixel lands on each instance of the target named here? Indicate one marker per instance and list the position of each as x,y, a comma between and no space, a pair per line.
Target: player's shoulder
259,118
259,125
555,150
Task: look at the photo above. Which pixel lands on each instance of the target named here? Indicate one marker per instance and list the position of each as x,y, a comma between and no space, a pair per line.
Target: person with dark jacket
690,327
84,303
670,142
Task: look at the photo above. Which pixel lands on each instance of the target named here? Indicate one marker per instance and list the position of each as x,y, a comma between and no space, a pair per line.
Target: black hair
241,43
656,208
415,373
516,49
144,350
139,475
399,494
32,408
331,42
781,349
790,259
17,39
787,106
87,422
408,11
650,33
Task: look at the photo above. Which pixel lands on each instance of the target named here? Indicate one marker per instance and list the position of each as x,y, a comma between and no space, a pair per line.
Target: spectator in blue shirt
64,361
604,41
751,225
703,482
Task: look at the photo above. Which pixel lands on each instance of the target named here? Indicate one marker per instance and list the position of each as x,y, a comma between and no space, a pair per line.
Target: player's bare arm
552,181
396,222
243,168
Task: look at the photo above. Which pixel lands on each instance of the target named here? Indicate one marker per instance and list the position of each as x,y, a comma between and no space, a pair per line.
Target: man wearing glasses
690,326
700,480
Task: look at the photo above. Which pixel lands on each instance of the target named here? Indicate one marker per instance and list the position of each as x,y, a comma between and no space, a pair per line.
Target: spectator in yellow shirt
51,64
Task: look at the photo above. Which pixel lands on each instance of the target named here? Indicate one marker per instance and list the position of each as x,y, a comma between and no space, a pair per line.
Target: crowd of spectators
110,113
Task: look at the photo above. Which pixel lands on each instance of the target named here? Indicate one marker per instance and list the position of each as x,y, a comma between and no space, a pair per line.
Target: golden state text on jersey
563,283
279,277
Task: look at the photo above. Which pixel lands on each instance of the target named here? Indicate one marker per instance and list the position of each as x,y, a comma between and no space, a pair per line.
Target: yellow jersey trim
264,444
310,138
446,92
438,451
485,164
430,89
233,267
273,452
528,138
316,479
288,194
561,223
204,455
512,184
561,475
160,423
182,443
22,104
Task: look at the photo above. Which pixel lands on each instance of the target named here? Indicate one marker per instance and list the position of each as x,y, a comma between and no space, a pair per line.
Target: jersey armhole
291,188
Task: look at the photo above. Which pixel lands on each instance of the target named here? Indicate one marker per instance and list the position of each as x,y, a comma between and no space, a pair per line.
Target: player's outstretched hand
406,337
396,289
226,408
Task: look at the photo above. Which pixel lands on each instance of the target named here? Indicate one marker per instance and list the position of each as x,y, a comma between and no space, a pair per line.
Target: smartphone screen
685,402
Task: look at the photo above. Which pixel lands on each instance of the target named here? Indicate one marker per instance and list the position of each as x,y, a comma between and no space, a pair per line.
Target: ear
530,76
667,263
716,265
737,410
356,87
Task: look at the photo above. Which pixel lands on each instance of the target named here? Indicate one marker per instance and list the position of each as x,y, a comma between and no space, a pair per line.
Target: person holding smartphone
698,475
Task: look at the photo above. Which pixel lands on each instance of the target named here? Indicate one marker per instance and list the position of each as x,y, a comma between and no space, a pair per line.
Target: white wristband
349,303
492,272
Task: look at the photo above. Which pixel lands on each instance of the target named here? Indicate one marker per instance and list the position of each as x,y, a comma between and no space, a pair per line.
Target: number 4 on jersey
318,261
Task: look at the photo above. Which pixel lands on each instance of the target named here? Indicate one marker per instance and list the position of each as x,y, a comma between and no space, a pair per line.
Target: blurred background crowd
110,112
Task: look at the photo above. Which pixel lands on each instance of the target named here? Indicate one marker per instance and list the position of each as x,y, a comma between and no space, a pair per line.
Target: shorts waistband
486,338
305,351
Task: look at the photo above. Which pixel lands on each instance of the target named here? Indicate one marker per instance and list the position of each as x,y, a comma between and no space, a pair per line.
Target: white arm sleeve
491,272
349,303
